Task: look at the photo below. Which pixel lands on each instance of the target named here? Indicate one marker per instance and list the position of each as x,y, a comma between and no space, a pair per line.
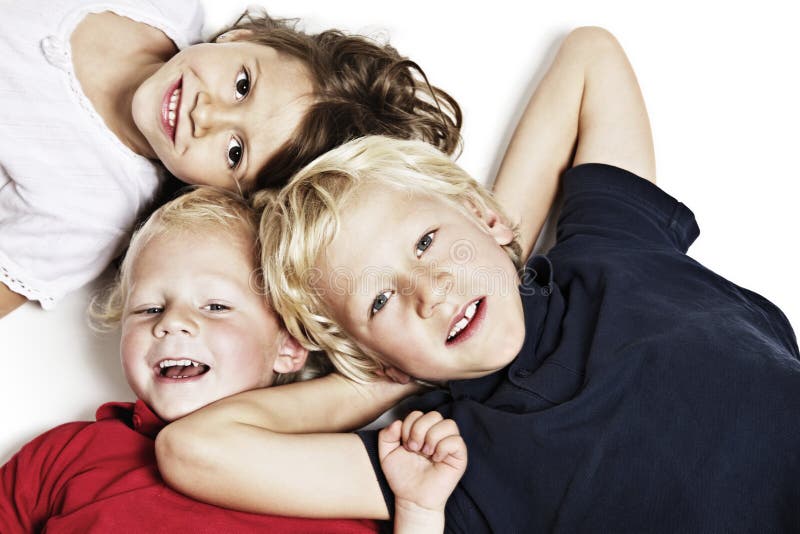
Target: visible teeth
173,100
469,313
173,106
175,363
471,310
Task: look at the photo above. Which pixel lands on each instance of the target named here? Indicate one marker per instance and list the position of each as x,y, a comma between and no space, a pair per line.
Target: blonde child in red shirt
195,329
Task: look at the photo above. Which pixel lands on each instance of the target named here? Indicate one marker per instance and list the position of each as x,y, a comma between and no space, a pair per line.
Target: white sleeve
44,256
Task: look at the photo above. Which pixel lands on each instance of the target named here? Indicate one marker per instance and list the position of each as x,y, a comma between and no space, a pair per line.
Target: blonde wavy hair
300,221
201,210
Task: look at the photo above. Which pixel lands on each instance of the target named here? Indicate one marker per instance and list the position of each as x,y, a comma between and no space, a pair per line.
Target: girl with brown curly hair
121,94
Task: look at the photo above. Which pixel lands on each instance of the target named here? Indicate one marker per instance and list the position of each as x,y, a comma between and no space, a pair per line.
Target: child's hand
423,458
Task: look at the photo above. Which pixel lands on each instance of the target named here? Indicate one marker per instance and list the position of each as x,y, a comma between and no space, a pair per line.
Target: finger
451,451
437,432
408,422
389,439
419,429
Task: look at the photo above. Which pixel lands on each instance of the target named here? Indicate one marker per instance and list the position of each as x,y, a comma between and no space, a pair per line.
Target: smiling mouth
180,369
170,105
464,327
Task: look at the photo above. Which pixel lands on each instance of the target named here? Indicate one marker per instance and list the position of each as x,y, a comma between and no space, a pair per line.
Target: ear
396,375
291,355
491,222
240,34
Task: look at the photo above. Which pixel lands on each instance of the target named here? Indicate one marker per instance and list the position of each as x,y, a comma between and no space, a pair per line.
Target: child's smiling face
425,284
193,330
216,112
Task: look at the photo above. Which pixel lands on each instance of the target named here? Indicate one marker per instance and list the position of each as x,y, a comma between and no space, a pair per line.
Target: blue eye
152,310
215,307
423,243
242,84
380,301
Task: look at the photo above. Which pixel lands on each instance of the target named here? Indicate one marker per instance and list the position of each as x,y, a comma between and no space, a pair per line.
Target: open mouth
468,323
170,105
181,369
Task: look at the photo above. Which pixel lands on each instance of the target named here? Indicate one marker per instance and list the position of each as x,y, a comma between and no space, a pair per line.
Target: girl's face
424,284
193,329
216,112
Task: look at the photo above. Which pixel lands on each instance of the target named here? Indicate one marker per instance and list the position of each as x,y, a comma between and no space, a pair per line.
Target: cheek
243,350
130,344
133,355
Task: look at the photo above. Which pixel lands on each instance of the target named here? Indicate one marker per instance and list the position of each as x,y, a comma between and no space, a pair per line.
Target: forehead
374,219
203,250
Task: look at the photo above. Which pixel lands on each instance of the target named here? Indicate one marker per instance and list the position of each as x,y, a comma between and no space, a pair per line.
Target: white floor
720,83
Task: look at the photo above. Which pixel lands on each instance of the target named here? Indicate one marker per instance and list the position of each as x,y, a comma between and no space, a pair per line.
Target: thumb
389,439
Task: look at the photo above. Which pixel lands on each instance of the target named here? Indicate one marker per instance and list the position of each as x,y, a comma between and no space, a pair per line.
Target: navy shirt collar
535,289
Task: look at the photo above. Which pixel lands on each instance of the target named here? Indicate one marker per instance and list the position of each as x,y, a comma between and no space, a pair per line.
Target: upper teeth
462,323
173,106
173,363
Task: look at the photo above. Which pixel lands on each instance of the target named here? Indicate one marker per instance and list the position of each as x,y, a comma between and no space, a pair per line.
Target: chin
173,412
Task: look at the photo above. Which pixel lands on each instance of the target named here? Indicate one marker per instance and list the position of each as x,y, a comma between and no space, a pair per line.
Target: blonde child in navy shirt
195,329
614,385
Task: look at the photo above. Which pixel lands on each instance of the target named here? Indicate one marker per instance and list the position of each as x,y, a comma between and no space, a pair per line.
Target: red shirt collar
137,415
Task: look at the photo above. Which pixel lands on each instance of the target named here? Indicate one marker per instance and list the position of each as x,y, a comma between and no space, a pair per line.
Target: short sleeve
30,481
370,440
609,203
43,256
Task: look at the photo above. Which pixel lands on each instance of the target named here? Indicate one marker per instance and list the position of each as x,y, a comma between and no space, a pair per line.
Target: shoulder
615,206
54,446
181,20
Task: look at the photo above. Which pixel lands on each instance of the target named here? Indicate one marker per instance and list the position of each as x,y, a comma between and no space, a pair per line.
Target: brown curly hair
361,87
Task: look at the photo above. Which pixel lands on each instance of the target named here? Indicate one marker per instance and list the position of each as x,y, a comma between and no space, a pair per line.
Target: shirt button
522,373
137,421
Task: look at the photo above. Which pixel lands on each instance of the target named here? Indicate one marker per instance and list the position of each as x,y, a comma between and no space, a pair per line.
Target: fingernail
413,445
427,450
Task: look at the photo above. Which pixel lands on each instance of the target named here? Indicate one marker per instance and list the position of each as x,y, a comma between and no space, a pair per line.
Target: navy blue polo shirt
650,394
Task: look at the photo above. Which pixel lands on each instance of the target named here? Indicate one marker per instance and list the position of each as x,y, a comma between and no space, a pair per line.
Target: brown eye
242,84
234,153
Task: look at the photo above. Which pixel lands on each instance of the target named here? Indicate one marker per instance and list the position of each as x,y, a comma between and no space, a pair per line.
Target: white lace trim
18,285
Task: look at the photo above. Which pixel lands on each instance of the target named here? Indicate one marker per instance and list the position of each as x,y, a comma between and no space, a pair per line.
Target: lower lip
170,130
473,326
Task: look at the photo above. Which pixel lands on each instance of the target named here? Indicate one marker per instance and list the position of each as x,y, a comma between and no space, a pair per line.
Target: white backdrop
720,81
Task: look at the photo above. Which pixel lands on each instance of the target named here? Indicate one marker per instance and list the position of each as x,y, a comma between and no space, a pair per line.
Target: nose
431,290
209,114
175,321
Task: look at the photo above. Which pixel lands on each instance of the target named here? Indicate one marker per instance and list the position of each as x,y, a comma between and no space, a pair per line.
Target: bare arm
9,300
275,450
588,103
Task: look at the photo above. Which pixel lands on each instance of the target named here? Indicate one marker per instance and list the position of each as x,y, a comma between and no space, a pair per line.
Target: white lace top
69,188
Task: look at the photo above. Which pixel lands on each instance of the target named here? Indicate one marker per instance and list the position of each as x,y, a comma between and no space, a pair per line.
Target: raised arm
587,109
275,450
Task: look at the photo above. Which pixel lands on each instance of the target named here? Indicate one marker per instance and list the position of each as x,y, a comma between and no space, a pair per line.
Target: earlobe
291,355
240,34
492,223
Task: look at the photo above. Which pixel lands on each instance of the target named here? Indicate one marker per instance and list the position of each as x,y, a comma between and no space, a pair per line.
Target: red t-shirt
102,477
